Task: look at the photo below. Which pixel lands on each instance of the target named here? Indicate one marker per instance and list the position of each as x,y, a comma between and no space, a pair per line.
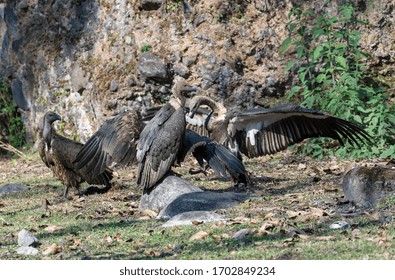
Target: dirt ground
297,198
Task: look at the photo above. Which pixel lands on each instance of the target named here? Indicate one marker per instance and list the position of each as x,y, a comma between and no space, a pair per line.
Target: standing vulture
257,132
58,153
125,139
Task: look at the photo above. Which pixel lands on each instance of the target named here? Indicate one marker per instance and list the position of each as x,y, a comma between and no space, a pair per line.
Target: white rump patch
251,135
197,121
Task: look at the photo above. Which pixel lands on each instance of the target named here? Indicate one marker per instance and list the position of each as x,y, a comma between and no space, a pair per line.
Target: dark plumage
58,153
162,139
218,157
161,142
113,143
257,132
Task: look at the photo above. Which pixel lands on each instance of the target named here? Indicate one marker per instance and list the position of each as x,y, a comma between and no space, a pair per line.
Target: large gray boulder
366,187
165,192
202,201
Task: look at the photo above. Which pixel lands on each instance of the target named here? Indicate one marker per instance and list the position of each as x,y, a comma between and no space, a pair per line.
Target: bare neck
217,108
47,132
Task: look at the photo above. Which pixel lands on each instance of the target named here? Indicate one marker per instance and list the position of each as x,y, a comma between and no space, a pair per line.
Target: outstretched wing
114,142
219,158
259,132
63,152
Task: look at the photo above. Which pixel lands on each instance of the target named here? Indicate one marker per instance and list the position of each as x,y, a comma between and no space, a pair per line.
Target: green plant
12,130
145,48
173,6
332,77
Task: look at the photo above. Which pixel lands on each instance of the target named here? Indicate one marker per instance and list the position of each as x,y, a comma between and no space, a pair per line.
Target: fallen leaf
149,213
330,188
375,216
107,239
152,253
195,223
293,214
266,227
325,238
199,235
52,250
301,166
52,229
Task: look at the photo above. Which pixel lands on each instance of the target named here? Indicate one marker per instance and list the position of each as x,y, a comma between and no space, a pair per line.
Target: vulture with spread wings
156,145
58,153
258,132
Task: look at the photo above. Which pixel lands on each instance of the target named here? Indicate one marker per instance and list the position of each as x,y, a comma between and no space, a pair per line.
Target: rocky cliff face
89,59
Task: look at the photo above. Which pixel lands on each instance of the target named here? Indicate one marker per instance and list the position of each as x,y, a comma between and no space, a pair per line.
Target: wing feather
282,126
114,142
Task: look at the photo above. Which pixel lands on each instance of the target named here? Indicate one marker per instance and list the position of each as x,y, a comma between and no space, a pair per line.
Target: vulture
257,132
156,145
58,153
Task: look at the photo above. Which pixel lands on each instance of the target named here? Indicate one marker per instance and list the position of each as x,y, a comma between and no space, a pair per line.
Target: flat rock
187,218
165,192
26,250
366,187
26,239
202,201
11,188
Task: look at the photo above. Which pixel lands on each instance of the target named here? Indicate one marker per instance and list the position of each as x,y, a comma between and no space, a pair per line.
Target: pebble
342,225
26,238
27,250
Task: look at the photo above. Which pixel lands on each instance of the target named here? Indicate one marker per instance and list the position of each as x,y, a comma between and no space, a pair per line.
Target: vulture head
182,89
50,117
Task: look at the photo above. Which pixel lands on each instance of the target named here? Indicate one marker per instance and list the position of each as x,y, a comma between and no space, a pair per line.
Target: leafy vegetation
173,6
146,48
332,77
12,130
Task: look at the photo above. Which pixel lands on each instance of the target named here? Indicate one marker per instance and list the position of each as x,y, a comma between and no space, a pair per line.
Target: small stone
113,86
188,60
11,188
181,70
242,234
26,250
26,238
112,104
342,225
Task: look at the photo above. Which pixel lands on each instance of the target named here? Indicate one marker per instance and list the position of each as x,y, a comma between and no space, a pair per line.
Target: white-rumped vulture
58,153
257,132
157,145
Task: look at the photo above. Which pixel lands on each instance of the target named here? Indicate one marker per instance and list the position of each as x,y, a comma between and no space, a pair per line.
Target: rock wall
87,59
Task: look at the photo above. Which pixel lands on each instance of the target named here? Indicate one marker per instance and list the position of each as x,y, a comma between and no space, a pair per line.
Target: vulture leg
202,167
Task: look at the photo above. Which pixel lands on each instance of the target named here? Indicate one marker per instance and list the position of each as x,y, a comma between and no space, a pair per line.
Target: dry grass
297,199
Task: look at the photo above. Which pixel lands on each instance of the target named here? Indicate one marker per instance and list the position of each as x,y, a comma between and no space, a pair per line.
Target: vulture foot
96,190
197,170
